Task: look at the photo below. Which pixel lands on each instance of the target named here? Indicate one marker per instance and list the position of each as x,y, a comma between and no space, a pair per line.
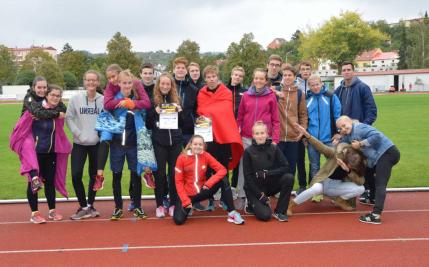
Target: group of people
259,133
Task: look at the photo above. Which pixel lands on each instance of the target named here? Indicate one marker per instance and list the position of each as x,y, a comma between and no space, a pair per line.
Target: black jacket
149,91
237,94
163,136
188,97
262,157
197,85
29,98
38,111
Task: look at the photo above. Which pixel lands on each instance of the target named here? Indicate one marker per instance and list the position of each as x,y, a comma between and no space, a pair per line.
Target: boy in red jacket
192,185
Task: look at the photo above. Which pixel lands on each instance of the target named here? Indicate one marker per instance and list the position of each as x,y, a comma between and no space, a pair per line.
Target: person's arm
180,182
220,171
336,108
369,136
110,102
370,109
302,112
143,102
281,164
250,175
275,121
71,115
38,111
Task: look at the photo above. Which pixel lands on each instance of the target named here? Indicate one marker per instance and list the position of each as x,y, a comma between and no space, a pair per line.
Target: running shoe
55,216
235,217
116,215
199,207
171,211
149,180
211,205
36,218
99,183
160,212
367,201
139,213
81,214
372,218
94,213
280,216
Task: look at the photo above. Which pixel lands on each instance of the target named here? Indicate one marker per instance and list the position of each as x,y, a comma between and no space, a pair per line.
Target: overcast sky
160,25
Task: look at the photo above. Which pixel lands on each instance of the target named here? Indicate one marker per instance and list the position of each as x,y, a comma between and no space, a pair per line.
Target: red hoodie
191,174
218,107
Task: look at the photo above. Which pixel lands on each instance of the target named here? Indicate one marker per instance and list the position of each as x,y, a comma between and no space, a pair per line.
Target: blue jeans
314,158
290,151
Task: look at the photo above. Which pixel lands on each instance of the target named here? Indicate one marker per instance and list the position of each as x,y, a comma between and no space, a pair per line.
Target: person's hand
356,144
205,187
34,117
274,143
121,104
189,206
62,115
261,174
336,139
129,104
178,107
301,129
343,166
158,109
264,199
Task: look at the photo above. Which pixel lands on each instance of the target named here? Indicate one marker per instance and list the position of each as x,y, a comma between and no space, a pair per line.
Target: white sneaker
160,212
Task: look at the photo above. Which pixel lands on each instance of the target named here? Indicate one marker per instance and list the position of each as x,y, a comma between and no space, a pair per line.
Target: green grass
403,118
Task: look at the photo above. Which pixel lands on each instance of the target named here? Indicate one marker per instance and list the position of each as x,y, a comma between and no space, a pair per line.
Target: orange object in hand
129,104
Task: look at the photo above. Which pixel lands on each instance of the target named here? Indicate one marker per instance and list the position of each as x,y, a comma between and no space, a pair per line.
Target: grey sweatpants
240,184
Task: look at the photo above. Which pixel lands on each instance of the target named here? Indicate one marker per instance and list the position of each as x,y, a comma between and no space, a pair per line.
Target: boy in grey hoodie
81,116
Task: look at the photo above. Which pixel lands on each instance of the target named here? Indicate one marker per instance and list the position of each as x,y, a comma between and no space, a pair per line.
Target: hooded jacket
190,174
290,112
257,106
81,117
319,114
357,101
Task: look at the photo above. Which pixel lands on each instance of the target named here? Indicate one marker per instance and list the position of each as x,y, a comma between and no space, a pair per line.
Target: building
21,53
276,43
377,60
411,80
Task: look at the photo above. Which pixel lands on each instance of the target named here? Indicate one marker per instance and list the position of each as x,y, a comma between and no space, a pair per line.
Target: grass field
403,118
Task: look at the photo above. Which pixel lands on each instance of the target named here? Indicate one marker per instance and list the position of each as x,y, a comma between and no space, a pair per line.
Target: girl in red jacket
192,185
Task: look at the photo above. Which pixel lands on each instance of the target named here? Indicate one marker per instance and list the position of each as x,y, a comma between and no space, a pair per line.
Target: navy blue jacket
357,101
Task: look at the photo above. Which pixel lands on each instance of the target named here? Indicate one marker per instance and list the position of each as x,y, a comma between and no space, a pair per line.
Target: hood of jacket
322,91
264,91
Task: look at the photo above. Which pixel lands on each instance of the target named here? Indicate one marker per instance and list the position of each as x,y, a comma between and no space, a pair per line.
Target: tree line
339,39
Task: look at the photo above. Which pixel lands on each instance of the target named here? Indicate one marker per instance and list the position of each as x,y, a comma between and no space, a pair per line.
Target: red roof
393,72
33,47
368,55
387,55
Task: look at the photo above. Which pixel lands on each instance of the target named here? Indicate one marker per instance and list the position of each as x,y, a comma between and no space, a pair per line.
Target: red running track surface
318,234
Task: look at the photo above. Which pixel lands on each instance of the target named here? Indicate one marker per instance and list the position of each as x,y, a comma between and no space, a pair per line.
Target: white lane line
258,244
219,216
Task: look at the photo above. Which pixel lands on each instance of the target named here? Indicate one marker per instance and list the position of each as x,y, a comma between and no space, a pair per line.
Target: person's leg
240,185
92,172
49,166
262,211
117,159
78,158
314,158
290,151
102,155
344,190
383,171
180,213
135,179
32,198
172,158
302,175
161,155
314,190
284,185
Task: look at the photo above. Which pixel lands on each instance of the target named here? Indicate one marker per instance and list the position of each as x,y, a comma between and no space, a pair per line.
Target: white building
412,80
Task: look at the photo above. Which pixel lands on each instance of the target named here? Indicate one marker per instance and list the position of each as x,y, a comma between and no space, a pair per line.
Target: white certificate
169,120
206,132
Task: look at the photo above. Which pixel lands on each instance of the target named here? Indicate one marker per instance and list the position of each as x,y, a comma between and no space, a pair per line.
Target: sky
153,25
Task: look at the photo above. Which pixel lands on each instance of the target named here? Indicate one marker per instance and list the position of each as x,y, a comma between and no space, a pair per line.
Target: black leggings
383,170
47,166
222,153
136,196
102,154
272,185
300,164
181,213
78,158
166,155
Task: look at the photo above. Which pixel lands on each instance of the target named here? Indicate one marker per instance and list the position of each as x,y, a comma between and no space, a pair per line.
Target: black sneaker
373,218
364,195
139,213
198,207
280,216
367,201
116,215
249,210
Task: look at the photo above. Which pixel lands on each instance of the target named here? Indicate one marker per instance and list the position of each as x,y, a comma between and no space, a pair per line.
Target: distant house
377,60
21,53
276,43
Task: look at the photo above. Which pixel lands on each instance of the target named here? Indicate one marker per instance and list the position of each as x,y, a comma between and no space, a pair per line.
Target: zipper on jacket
37,140
287,109
196,174
256,110
123,137
318,116
52,136
169,133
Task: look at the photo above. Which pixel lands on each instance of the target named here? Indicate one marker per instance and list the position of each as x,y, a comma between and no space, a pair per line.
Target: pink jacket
111,90
259,106
22,143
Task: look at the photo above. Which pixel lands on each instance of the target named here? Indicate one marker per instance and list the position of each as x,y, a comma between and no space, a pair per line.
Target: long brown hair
157,95
356,160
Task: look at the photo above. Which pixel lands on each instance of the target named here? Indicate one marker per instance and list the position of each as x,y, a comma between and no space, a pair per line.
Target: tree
75,62
43,64
247,54
25,77
403,62
70,81
289,51
7,66
52,73
119,52
341,39
417,53
190,50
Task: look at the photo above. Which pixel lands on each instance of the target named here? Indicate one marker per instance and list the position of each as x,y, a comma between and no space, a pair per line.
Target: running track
318,234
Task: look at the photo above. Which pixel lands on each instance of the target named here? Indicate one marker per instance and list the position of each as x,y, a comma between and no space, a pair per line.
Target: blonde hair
188,145
127,73
314,78
344,117
193,64
180,60
260,124
114,68
157,95
238,68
